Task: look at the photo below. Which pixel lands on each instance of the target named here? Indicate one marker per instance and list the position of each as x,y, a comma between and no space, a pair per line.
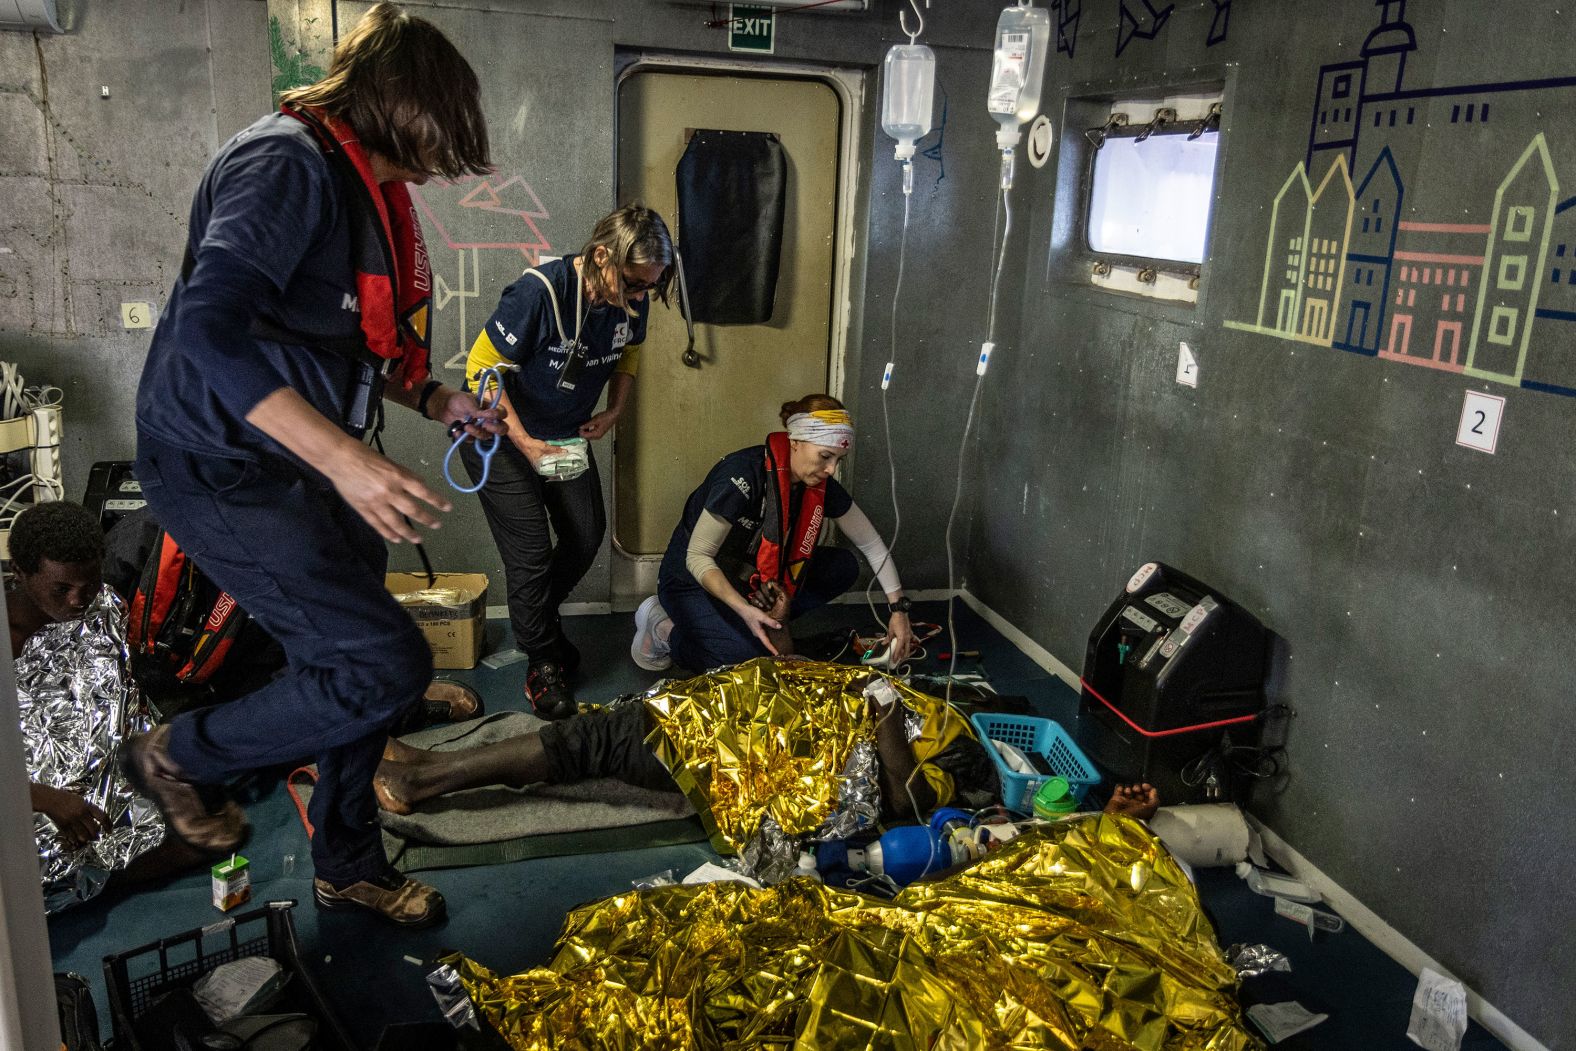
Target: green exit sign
751,28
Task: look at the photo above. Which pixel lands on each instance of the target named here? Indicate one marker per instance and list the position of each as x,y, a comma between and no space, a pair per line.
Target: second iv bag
908,89
1022,35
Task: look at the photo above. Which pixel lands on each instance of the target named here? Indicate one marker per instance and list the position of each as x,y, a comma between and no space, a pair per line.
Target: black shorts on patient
606,742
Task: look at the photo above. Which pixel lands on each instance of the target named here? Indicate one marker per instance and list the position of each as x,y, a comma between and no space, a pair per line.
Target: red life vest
787,539
181,624
393,273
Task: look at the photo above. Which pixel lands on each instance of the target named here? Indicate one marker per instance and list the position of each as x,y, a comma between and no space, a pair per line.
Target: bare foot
398,751
1138,801
392,786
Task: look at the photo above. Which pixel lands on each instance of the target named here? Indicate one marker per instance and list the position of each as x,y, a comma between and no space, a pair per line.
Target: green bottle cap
1054,798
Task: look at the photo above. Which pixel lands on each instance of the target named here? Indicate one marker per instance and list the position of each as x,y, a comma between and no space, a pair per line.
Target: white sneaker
650,646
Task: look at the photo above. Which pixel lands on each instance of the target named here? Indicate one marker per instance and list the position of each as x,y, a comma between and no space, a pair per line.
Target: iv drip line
886,379
1004,212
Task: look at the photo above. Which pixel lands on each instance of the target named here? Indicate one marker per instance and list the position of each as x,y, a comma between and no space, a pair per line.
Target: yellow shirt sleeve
484,355
629,364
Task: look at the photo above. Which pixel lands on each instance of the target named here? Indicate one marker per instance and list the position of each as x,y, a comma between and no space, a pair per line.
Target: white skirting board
1389,941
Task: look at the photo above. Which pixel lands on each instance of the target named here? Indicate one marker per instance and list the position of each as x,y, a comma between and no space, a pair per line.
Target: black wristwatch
902,605
426,395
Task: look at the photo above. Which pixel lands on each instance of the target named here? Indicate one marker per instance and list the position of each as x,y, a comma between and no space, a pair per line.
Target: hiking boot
198,815
547,688
446,701
394,896
650,646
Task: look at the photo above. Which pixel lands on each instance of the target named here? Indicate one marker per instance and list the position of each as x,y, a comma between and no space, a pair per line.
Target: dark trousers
707,634
605,742
539,574
310,570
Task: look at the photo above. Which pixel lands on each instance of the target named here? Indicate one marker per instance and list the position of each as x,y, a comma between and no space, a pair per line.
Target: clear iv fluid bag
1023,34
909,91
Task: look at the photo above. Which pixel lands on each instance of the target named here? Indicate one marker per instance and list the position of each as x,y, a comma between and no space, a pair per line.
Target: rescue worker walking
303,301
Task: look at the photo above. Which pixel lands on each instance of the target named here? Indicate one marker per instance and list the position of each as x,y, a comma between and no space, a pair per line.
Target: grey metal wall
1422,588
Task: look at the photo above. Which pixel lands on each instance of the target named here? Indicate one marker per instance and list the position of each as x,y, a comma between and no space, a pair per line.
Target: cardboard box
452,613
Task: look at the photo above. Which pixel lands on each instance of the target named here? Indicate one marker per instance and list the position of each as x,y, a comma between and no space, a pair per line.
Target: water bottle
908,90
1023,33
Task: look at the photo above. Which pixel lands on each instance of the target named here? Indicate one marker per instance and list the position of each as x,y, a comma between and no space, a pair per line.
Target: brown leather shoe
447,701
393,895
198,816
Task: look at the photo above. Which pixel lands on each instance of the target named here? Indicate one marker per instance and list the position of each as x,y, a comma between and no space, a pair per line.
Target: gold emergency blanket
766,739
1084,934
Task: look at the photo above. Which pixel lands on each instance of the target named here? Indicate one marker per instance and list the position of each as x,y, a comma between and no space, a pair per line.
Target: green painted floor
507,916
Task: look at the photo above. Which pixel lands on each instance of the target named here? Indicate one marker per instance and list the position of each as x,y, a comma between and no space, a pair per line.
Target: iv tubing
968,424
886,418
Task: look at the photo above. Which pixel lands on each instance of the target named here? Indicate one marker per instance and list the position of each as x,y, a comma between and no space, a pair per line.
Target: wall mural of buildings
1426,261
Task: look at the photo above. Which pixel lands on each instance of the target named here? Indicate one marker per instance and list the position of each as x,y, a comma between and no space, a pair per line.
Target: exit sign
751,28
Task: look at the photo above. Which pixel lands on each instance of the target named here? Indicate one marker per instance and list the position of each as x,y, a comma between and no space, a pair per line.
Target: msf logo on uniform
350,303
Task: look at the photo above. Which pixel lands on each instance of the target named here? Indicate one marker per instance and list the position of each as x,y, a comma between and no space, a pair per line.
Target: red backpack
181,624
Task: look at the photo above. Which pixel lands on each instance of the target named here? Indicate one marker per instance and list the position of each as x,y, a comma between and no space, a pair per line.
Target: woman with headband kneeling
744,560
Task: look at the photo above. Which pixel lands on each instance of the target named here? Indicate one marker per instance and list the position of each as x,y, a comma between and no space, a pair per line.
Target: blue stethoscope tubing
488,380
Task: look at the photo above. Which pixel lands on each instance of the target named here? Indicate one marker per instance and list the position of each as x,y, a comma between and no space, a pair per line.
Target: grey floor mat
553,819
487,815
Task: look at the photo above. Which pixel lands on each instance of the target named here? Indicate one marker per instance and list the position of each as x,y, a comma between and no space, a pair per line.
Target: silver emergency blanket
78,705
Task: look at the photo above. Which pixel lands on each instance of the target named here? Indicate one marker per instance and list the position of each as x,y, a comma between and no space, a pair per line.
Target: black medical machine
1174,676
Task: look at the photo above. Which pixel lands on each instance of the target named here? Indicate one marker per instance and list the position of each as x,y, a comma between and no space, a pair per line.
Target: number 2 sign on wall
1480,416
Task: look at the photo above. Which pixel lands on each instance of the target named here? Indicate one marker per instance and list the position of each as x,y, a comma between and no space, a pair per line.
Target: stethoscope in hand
489,391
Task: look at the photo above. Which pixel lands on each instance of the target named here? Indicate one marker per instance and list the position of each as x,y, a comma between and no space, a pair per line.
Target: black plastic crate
138,977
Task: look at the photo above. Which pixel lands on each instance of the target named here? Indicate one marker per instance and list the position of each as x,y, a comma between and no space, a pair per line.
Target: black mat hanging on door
733,186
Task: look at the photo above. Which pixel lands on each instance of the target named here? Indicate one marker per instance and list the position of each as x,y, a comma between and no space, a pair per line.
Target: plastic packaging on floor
1081,934
1284,1020
1439,1012
1315,920
1275,885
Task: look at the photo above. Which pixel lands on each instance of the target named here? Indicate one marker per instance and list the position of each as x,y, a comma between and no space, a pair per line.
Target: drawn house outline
1370,255
1289,238
1329,233
1524,208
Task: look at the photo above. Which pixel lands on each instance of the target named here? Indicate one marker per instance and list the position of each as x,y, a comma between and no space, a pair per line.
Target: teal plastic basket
1044,737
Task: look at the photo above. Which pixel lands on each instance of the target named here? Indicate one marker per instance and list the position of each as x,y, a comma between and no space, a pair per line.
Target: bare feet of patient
1138,801
392,785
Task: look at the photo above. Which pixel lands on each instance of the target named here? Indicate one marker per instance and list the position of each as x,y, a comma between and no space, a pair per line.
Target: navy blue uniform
270,235
706,633
523,330
520,504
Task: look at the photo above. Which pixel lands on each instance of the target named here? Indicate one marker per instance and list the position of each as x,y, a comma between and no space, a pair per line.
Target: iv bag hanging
908,95
1018,69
